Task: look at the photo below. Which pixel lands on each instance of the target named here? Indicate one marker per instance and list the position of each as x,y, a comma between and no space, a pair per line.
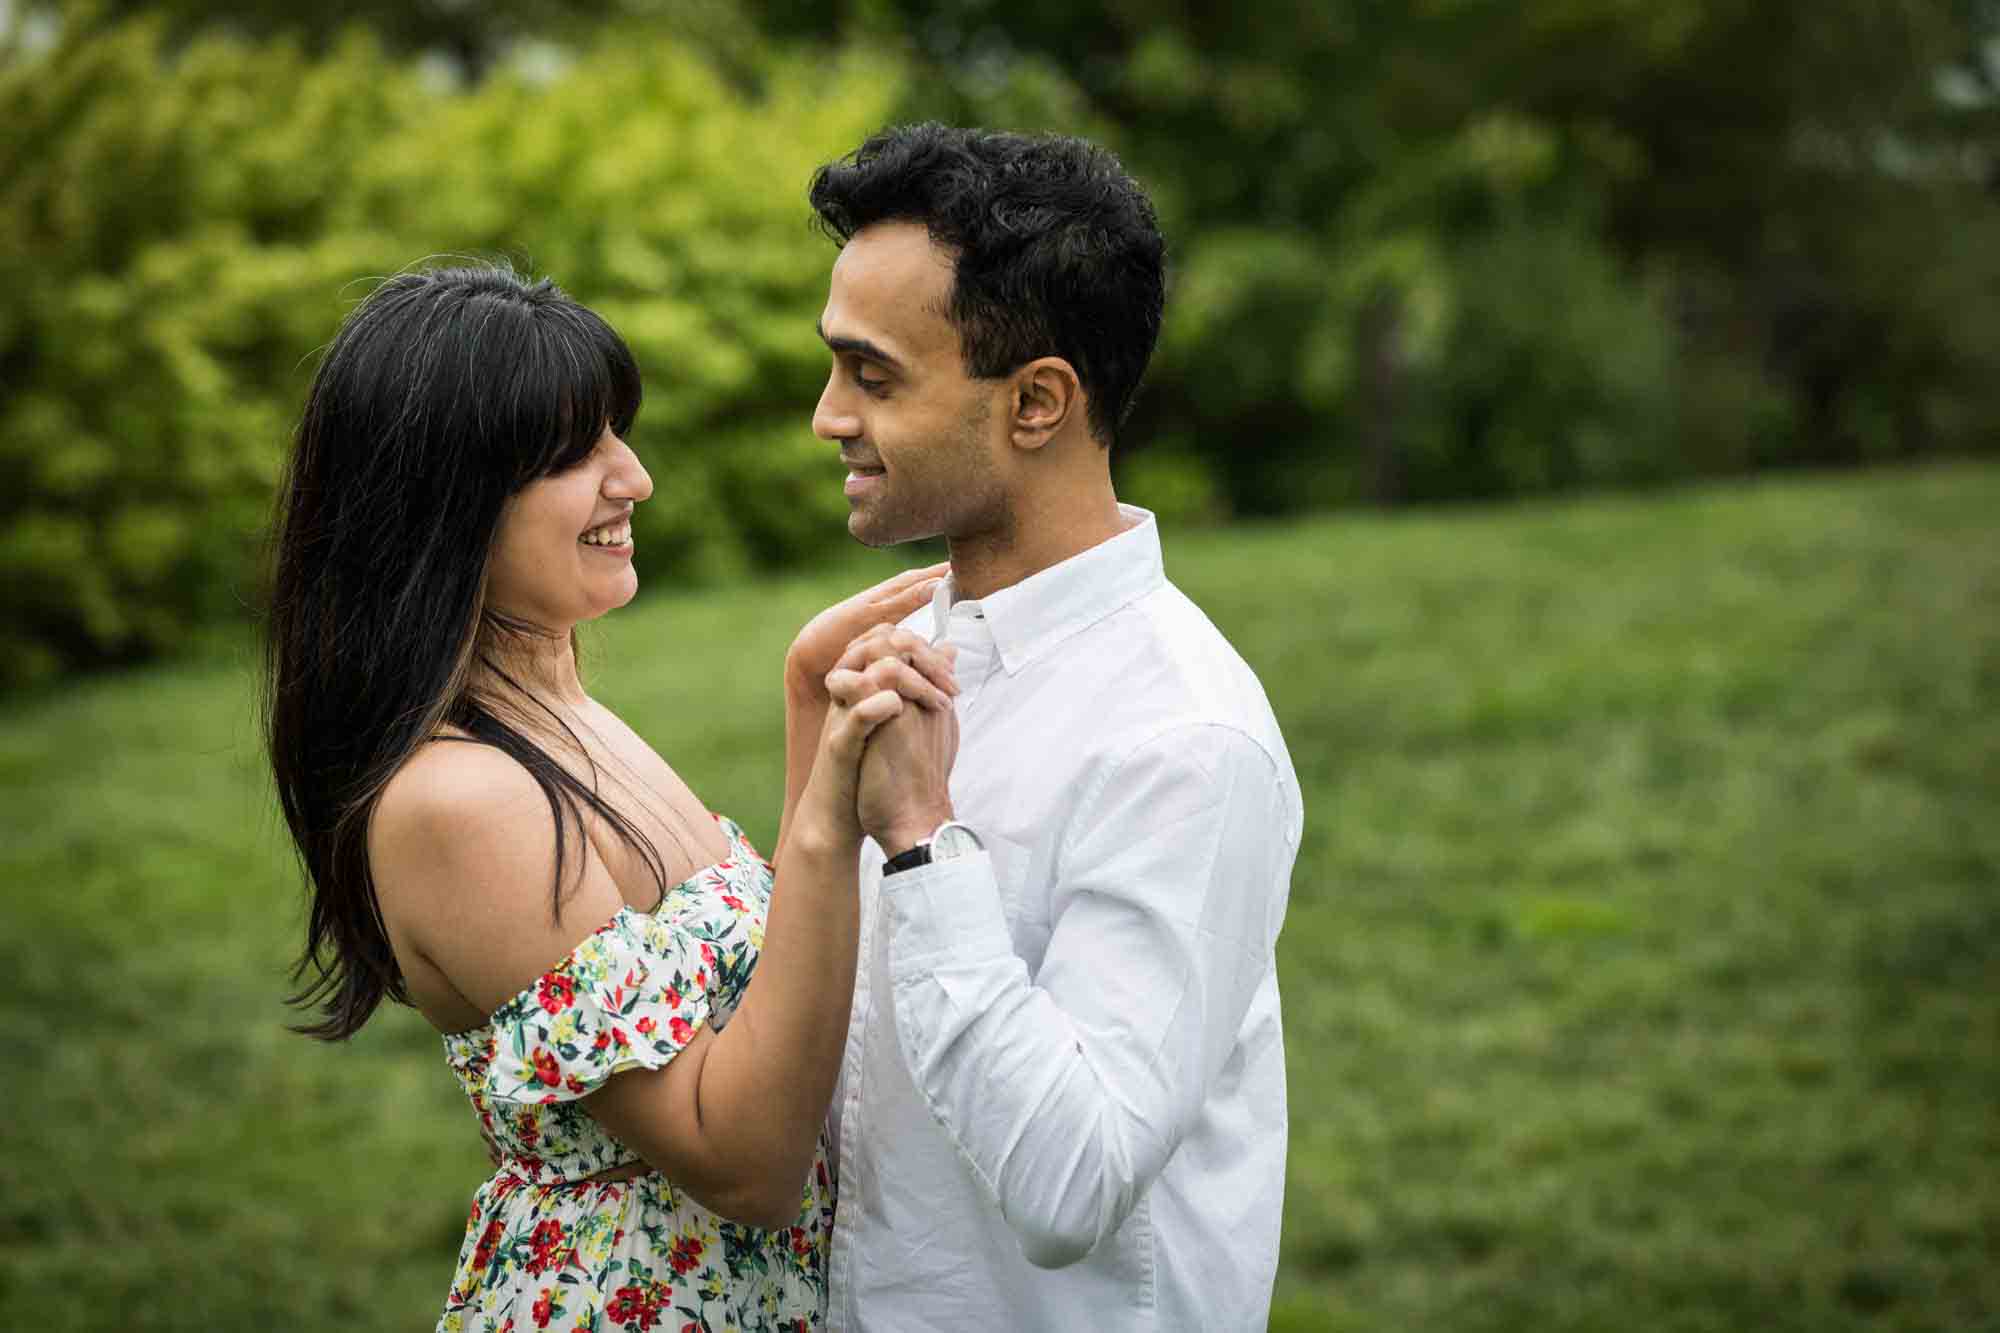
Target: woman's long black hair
445,393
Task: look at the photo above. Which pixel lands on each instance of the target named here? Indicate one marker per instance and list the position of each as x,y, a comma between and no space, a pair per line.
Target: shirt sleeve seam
1081,826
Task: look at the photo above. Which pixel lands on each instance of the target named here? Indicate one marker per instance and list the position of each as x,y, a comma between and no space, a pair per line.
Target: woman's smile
613,538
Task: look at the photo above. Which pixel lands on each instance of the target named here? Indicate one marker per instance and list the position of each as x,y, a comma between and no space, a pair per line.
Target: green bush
1558,371
186,228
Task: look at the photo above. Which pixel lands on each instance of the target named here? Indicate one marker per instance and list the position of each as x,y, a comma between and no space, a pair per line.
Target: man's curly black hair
1057,250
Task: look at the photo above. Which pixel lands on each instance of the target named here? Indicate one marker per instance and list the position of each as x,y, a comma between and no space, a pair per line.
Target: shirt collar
1028,618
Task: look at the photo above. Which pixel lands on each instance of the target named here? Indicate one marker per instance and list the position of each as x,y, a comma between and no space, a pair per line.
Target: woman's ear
1047,395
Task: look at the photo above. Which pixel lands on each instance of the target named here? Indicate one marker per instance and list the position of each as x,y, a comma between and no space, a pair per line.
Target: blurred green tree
1792,205
1438,249
182,233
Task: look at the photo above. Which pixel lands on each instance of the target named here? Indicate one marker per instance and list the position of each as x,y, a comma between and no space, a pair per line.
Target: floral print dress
545,1249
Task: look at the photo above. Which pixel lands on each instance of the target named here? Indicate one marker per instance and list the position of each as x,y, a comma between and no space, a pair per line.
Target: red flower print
734,903
686,1255
680,1030
637,1305
603,1039
489,1241
645,1026
618,1035
574,1084
545,1245
530,1132
708,953
544,1309
556,993
545,1067
672,995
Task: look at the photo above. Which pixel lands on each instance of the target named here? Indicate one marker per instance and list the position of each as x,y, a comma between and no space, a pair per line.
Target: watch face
953,840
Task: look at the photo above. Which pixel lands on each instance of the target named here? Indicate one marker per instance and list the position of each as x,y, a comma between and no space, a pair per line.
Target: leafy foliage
186,231
1746,232
1446,249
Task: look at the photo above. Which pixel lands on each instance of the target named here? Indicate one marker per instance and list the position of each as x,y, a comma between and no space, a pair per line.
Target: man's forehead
897,251
890,285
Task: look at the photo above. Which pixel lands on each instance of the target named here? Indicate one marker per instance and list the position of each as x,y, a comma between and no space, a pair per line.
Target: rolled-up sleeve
1067,1092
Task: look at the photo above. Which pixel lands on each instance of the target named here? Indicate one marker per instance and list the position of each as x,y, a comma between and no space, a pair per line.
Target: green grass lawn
1642,970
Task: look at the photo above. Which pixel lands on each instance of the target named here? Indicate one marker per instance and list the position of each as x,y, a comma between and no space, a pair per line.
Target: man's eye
870,386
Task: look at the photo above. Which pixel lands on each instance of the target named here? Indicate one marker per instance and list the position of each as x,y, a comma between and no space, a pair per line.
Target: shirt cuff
947,909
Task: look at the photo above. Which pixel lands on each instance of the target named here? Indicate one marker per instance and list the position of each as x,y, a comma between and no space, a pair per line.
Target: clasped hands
851,652
904,788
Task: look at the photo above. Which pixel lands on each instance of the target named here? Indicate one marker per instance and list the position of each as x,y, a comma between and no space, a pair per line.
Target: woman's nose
628,478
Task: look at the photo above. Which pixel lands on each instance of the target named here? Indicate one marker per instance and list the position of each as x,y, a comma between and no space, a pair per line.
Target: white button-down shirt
1062,1104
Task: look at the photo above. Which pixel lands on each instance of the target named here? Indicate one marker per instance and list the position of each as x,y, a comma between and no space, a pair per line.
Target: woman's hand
827,642
883,675
824,641
828,804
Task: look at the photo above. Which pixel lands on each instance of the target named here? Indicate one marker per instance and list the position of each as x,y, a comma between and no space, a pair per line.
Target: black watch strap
919,855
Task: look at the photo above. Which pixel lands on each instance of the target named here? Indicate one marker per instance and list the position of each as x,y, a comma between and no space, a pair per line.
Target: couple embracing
991,1040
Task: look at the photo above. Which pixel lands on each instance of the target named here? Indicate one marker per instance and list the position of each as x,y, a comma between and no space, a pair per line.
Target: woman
648,1031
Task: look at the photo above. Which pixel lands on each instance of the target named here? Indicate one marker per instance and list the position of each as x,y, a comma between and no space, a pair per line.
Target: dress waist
517,1171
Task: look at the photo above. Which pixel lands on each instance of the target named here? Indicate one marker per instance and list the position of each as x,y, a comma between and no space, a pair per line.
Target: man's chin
871,533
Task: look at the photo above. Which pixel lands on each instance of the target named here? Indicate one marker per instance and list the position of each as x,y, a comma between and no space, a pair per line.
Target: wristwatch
949,841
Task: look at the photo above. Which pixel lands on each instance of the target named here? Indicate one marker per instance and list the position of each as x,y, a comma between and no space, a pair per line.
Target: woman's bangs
599,387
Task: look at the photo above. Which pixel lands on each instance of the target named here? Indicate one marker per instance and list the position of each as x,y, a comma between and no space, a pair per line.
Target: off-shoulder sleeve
630,996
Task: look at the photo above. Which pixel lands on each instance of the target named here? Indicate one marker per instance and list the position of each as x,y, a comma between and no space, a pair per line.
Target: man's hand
904,790
896,658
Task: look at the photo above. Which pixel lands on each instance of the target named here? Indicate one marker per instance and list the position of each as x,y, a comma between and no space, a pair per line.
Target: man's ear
1047,395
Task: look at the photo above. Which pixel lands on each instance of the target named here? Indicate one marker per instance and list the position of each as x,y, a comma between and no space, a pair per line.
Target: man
1063,1096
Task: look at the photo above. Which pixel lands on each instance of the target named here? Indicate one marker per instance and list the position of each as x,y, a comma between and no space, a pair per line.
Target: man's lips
861,478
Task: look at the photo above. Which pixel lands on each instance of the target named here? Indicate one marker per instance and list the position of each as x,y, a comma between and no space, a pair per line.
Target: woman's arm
741,1133
463,850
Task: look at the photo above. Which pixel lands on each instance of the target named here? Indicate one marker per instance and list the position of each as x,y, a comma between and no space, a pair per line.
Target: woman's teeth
612,534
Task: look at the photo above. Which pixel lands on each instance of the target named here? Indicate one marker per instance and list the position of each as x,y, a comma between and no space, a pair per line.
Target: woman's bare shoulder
462,848
452,782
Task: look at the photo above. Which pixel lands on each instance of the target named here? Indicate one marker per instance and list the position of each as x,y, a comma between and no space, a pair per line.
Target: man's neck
1039,538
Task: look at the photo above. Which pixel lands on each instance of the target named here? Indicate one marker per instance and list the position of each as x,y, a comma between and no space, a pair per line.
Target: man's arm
1068,1092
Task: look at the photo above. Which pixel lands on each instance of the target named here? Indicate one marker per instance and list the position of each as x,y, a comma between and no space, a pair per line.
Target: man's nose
831,418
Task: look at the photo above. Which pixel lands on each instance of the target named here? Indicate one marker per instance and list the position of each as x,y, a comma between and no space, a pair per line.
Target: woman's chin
628,589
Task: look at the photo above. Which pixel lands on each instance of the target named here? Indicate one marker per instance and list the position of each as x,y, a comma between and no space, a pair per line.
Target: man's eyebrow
857,347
